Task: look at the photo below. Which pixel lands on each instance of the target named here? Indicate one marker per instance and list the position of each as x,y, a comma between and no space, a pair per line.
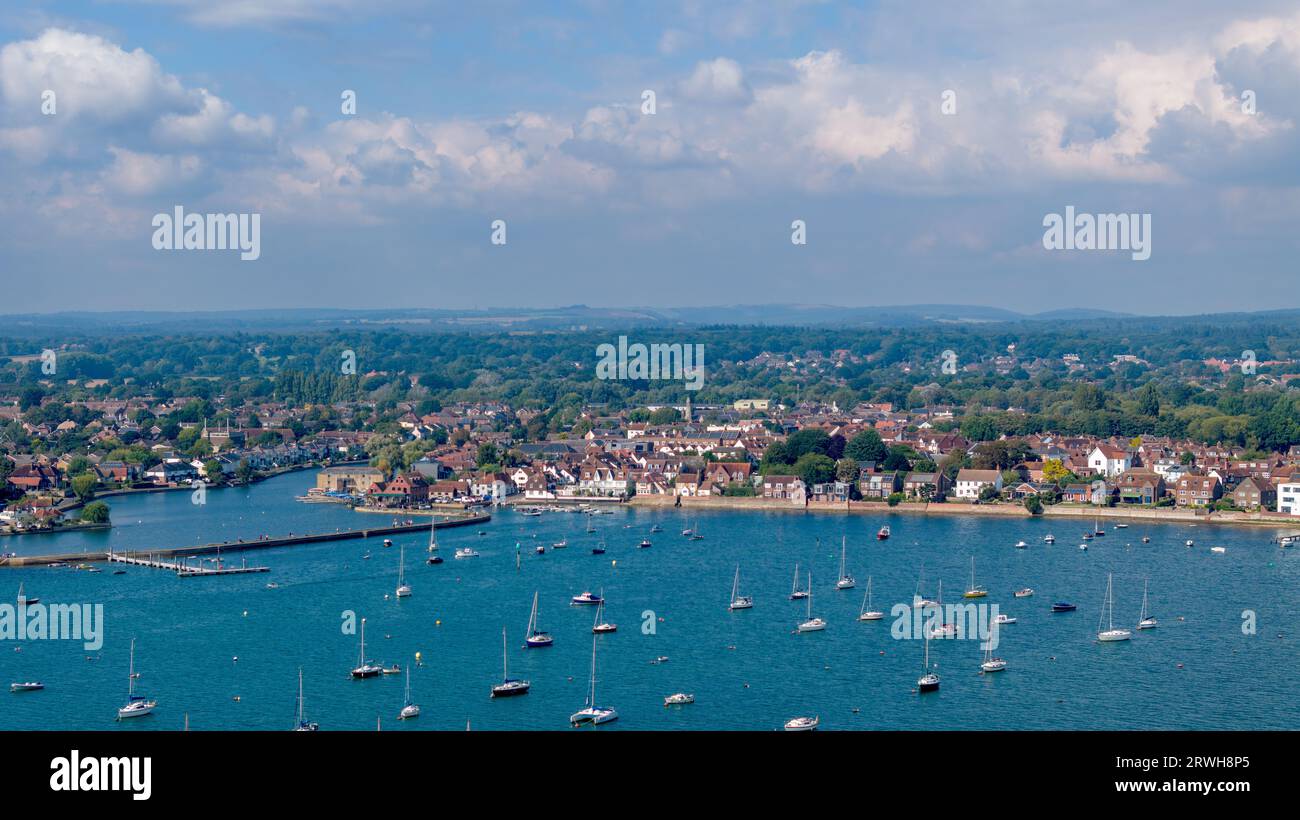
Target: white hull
140,709
995,665
871,616
595,716
1112,635
815,625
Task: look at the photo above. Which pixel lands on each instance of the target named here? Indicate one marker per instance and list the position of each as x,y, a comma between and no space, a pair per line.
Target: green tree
83,486
96,512
866,446
814,468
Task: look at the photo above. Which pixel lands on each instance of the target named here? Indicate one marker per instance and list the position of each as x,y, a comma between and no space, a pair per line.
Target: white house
1288,498
1109,461
971,482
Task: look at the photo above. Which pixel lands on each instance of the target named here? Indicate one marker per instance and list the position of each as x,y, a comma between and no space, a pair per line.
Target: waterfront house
1076,493
925,485
1253,494
971,482
880,485
1140,486
836,491
784,488
1288,498
1197,490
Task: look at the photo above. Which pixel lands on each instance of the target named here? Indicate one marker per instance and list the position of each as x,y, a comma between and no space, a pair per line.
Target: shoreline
1060,511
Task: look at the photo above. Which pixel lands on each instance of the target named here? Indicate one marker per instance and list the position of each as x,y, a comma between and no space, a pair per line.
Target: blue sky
531,113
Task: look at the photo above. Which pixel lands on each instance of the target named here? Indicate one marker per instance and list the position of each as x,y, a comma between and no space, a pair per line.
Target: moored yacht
845,580
1110,634
882,533
303,724
508,687
866,613
929,681
1145,619
410,709
810,624
590,712
802,724
365,668
535,638
679,699
586,599
136,705
739,601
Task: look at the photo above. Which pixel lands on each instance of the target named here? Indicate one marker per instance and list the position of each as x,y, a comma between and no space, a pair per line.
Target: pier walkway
152,557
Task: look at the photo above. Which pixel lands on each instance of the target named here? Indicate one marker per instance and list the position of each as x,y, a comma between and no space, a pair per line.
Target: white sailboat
410,709
797,594
433,536
867,613
846,581
536,637
1146,620
811,624
303,724
600,626
943,629
992,664
1108,614
403,588
365,668
974,590
739,601
136,705
695,533
508,686
929,681
590,712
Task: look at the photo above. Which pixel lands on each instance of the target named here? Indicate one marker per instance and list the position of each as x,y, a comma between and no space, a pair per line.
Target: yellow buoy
438,622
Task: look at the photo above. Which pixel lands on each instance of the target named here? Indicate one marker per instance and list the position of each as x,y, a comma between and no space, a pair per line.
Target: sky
921,146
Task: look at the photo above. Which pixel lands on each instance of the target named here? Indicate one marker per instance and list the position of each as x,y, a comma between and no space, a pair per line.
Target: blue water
747,670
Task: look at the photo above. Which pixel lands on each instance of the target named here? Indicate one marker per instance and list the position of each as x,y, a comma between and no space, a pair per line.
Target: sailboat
867,613
811,624
410,709
797,594
303,725
919,600
599,626
23,600
433,536
136,705
590,712
403,588
929,681
1108,613
365,668
508,686
599,549
1146,620
974,591
942,629
992,664
536,638
695,533
846,581
739,601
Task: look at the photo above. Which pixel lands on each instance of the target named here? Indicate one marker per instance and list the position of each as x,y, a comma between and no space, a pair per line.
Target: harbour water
1198,670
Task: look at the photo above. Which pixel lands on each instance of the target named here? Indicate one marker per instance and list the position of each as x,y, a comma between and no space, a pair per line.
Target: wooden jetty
153,556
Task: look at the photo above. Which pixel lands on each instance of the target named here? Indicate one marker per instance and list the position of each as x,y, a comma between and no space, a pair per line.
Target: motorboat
1024,593
1049,539
802,724
1020,545
679,699
1063,606
26,686
645,543
883,533
1004,618
466,552
586,599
